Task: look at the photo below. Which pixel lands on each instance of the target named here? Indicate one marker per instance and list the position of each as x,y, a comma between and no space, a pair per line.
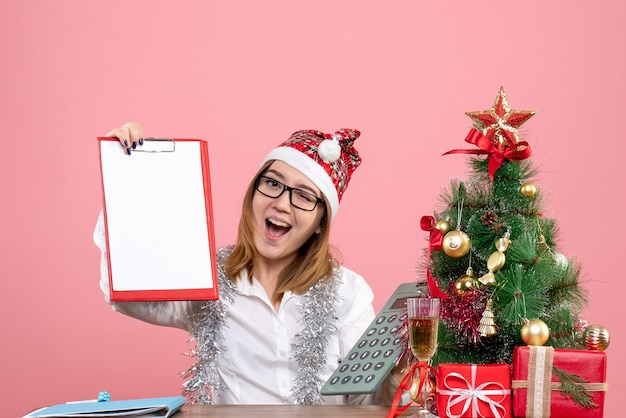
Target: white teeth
278,223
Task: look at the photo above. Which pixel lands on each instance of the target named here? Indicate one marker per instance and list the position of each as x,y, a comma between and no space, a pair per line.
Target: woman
288,311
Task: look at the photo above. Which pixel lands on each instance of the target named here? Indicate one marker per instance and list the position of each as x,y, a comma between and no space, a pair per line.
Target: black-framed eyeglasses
299,198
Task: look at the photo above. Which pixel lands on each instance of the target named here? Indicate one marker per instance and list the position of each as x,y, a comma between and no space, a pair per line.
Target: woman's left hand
129,134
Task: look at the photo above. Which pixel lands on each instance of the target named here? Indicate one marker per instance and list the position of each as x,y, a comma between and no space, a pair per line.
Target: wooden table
274,411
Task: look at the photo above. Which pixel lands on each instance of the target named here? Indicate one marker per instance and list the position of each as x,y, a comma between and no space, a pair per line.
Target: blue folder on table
142,408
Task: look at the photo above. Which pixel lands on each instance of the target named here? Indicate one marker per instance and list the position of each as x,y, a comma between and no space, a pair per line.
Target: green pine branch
566,286
571,387
520,296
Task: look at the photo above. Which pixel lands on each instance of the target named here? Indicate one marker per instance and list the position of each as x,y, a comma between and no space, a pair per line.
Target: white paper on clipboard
158,220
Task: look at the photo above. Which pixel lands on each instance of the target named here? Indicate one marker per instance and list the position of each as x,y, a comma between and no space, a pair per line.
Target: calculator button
346,379
385,341
404,316
334,380
380,319
358,378
355,367
374,342
395,329
397,340
382,330
343,368
371,331
392,318
376,353
362,343
353,355
369,378
367,366
379,365
365,354
388,353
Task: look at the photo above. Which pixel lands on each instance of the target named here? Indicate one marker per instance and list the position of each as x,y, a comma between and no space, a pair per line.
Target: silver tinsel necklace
308,346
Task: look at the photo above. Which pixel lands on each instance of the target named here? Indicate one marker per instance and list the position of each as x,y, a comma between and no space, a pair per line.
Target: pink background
244,75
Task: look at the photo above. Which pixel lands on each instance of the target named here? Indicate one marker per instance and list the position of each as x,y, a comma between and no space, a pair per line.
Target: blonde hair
313,262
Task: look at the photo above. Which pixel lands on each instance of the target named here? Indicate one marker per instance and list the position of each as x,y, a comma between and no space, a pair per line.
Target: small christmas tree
492,255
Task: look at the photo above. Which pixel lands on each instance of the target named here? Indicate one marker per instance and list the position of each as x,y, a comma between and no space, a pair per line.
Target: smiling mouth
276,228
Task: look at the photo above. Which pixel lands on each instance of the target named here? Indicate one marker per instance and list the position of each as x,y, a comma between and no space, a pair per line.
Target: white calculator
376,353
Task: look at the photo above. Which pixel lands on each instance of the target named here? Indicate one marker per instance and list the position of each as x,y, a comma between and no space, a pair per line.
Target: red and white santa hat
328,160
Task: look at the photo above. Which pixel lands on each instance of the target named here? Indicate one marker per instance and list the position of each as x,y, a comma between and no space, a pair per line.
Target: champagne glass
423,317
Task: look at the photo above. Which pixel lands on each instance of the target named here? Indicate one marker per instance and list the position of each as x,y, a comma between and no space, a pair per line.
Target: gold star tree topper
500,123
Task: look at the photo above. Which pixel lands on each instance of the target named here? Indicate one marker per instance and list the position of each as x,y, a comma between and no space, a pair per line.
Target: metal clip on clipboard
157,145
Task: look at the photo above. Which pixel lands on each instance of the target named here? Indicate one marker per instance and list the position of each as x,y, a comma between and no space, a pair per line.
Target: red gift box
537,390
471,390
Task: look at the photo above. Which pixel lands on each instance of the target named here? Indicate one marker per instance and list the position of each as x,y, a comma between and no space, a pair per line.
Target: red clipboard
158,220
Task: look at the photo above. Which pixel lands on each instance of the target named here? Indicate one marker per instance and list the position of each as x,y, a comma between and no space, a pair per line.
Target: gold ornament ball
456,243
443,226
528,189
596,338
465,283
417,396
535,332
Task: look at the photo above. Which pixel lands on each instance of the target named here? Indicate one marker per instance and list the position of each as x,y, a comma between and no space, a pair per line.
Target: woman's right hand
129,134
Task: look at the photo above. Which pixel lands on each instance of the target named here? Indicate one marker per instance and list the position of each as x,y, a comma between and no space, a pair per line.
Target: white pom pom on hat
327,160
330,150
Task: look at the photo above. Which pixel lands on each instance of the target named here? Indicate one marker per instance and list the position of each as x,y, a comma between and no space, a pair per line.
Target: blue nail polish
128,150
140,141
126,142
135,145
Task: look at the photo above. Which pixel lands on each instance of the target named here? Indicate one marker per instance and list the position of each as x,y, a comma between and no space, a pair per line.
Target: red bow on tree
427,223
497,153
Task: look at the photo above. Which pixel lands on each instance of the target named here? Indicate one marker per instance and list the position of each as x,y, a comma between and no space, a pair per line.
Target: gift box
471,390
542,374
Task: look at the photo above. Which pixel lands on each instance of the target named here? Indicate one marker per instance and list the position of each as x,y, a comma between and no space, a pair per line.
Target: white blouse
257,366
